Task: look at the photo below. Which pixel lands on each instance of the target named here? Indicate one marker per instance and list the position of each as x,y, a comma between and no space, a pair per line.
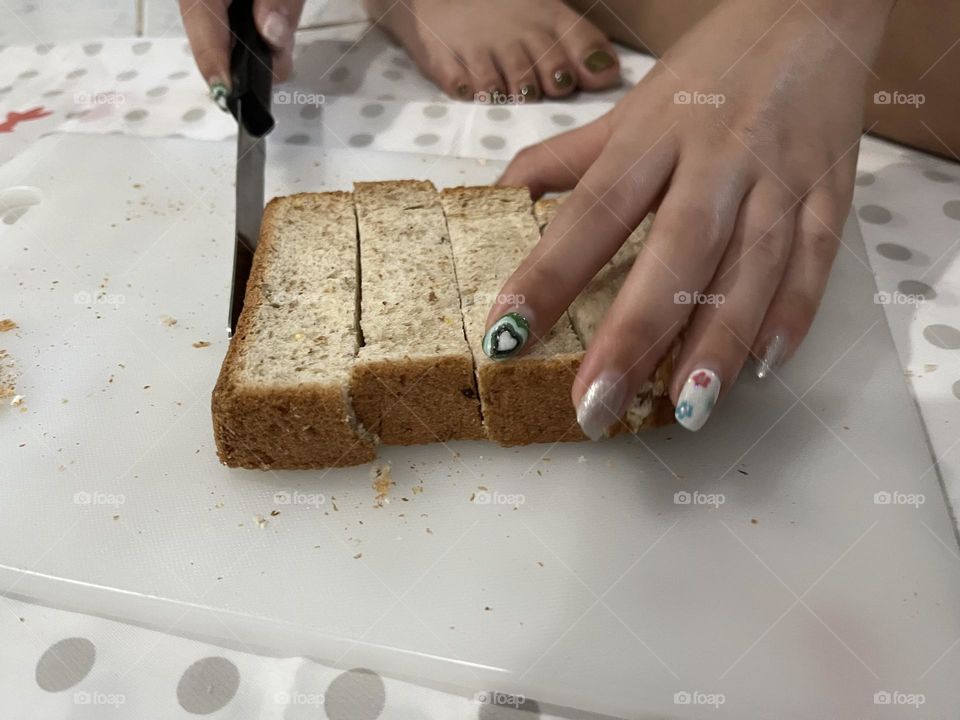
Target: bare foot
525,48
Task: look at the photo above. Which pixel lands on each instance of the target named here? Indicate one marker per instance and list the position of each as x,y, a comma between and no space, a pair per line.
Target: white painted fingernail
697,398
772,356
275,29
599,408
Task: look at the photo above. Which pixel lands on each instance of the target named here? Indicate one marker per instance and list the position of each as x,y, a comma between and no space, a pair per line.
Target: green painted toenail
563,79
529,92
462,90
598,61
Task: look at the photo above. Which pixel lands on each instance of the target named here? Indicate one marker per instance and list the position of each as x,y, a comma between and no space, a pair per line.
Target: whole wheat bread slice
282,400
413,381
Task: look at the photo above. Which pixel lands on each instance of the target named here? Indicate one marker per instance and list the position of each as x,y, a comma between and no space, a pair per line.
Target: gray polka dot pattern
158,91
493,142
875,214
92,48
937,176
135,115
892,251
360,140
500,706
943,336
53,93
141,48
27,74
339,74
44,49
372,110
865,178
178,75
952,209
78,73
356,694
394,75
956,389
563,120
309,112
916,288
426,139
194,114
435,111
5,89
127,75
65,663
208,685
297,139
498,114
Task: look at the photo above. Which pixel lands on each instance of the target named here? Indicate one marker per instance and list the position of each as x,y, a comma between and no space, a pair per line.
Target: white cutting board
796,597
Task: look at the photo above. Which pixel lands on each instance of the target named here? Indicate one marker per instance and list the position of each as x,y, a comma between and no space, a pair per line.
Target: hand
744,138
208,30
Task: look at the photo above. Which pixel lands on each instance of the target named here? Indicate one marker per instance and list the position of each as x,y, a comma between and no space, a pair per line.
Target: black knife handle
251,68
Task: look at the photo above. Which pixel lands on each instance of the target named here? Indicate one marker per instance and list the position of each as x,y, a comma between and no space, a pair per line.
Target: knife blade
251,68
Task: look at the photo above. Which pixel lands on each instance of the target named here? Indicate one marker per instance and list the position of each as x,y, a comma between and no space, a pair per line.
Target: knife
251,69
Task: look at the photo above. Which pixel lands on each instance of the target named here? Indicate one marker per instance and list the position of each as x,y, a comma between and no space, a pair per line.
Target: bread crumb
753,521
382,481
17,400
201,344
6,325
261,521
355,557
168,321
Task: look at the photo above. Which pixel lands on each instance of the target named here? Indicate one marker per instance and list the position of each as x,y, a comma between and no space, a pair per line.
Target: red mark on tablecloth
15,118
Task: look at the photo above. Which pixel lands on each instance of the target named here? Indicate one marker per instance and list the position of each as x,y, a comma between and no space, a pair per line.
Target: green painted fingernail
598,61
219,93
563,79
507,336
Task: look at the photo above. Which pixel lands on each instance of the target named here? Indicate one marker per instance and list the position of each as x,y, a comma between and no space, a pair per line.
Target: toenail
462,90
529,92
598,61
563,79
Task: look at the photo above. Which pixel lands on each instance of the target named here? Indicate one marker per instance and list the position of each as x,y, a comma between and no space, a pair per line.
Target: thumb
558,163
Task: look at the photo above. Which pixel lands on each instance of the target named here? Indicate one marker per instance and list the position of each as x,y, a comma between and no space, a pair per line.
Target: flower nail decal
697,398
507,336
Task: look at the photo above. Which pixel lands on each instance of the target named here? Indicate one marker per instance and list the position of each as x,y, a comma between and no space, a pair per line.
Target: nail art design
697,398
507,336
562,79
772,356
529,92
598,61
599,408
462,90
219,93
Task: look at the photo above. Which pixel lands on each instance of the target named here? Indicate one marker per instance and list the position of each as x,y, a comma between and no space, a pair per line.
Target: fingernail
219,93
529,92
507,336
697,398
772,356
598,61
562,79
275,29
599,408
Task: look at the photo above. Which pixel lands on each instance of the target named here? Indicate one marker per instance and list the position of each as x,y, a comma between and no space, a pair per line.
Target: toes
557,75
589,51
450,75
482,74
518,71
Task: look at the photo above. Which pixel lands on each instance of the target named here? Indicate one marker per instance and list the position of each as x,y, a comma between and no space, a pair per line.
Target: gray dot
356,694
141,48
135,115
340,74
308,112
875,214
435,111
393,75
563,120
401,61
178,75
952,209
507,709
892,251
44,49
937,176
372,110
77,114
298,139
65,663
27,74
916,288
426,139
498,113
361,140
956,389
387,97
493,142
158,91
53,93
5,89
93,48
208,685
127,75
865,178
78,73
943,336
193,115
